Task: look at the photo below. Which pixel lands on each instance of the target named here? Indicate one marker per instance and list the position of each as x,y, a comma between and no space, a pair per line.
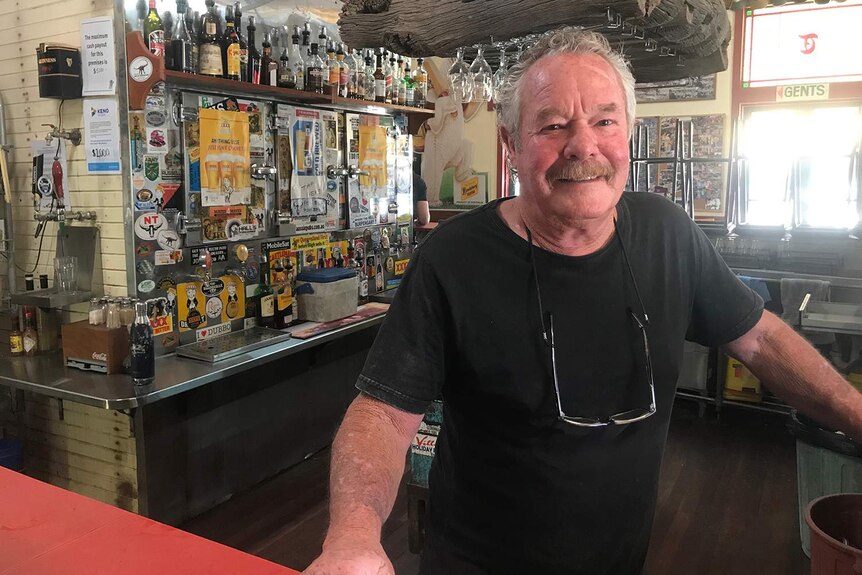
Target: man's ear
509,143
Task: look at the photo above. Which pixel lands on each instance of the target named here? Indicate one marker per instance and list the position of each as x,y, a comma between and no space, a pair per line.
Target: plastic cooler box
826,463
326,294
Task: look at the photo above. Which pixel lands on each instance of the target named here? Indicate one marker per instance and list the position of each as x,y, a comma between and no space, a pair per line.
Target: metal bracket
188,114
60,413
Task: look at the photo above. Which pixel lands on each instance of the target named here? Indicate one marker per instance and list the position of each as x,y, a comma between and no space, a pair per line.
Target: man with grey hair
553,325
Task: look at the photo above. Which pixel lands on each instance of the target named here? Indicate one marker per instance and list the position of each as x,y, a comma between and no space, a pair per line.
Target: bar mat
311,329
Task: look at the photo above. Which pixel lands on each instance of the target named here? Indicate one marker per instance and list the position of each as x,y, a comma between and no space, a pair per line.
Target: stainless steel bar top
765,274
46,374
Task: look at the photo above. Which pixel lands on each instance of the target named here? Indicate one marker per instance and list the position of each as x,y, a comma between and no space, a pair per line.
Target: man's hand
351,557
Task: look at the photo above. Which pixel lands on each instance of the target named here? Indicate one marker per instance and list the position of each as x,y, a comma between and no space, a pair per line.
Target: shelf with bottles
200,83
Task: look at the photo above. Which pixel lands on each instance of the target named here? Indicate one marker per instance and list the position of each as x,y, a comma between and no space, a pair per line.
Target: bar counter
46,375
197,435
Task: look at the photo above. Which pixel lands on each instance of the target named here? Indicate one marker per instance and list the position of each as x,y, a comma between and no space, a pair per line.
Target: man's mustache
579,170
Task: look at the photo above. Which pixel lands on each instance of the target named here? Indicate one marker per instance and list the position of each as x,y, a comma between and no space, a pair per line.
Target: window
800,167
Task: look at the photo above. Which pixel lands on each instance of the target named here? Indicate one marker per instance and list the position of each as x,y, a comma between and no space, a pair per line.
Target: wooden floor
727,505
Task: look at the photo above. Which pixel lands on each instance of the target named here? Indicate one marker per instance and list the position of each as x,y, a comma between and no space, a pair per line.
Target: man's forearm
795,371
367,465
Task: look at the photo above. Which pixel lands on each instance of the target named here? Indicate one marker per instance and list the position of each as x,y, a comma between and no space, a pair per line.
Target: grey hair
568,40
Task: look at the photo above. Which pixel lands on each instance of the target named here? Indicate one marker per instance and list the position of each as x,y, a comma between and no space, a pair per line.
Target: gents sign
802,92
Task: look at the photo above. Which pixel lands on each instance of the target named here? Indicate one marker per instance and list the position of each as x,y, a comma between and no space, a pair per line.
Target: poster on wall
102,135
45,156
402,210
307,141
370,149
692,88
708,179
225,158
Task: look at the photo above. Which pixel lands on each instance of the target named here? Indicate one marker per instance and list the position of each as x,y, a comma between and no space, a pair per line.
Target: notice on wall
368,196
45,156
225,158
102,135
98,59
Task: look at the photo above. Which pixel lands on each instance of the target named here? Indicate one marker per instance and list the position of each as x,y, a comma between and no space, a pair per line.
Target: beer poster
232,223
308,184
368,197
224,158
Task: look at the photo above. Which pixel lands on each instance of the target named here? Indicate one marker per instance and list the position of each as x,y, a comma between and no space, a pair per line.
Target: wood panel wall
85,449
25,24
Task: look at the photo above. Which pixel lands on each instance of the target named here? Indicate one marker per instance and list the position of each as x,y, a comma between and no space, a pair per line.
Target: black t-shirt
513,489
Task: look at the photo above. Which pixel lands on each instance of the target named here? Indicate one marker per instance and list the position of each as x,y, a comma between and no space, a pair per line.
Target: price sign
102,135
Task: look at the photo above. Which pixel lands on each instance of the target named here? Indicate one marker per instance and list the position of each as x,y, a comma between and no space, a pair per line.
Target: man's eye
553,127
606,122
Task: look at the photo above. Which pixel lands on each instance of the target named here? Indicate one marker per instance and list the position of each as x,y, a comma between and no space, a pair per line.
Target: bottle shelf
208,84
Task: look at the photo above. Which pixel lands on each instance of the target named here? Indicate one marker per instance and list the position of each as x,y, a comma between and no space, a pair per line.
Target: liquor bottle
305,48
296,60
409,90
254,58
194,27
30,336
353,79
167,35
243,42
400,88
153,33
142,357
137,142
286,77
390,73
181,44
333,73
369,92
141,8
230,47
209,48
379,81
283,295
268,66
314,72
420,85
343,71
378,276
265,297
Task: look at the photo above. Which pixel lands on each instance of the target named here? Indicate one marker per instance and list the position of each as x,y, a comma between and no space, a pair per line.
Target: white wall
23,26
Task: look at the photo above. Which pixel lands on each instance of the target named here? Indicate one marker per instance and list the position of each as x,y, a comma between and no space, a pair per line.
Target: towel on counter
793,291
758,286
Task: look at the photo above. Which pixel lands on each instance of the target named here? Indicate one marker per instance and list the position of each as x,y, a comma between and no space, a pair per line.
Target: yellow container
740,383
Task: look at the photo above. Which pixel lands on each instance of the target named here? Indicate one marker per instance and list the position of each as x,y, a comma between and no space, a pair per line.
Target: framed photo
694,88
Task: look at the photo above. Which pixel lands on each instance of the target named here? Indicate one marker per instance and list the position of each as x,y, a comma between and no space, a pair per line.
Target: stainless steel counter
47,375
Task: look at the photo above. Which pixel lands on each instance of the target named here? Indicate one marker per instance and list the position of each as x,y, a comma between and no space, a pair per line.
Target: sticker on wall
147,226
234,300
214,307
189,305
211,332
168,283
146,286
151,167
168,257
157,142
168,240
155,118
213,288
143,250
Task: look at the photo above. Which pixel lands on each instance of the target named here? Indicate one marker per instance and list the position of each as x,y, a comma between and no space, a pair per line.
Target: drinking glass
502,73
460,79
66,274
483,77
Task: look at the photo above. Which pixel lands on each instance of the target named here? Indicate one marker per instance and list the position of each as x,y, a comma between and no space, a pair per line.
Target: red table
45,530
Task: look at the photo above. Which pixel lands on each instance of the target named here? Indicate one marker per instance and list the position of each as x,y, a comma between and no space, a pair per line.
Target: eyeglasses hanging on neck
622,418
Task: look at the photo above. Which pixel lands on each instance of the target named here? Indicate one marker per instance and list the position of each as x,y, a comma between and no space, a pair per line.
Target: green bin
827,463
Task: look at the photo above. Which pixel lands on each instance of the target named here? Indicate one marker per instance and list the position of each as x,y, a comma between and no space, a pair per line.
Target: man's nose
581,142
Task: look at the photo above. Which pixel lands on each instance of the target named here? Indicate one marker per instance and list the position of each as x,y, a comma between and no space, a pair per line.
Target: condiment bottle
30,336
